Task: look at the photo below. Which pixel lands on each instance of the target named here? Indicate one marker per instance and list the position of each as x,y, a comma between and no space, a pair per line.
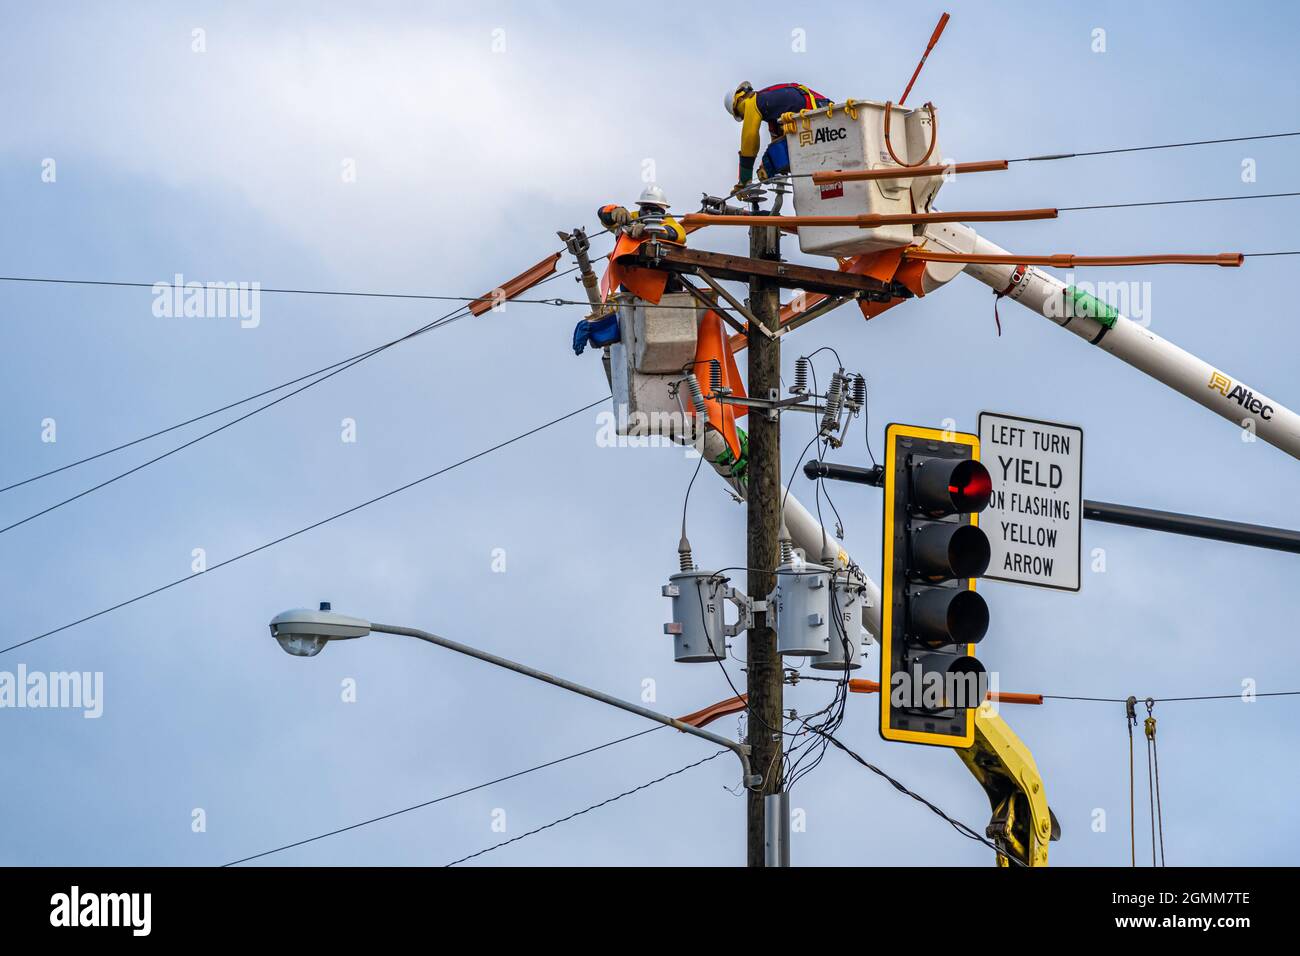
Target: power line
594,806
1158,700
303,530
445,320
267,391
957,825
1178,202
1140,149
122,284
467,299
447,796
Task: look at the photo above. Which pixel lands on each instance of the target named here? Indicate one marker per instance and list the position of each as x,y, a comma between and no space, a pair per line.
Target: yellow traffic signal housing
932,617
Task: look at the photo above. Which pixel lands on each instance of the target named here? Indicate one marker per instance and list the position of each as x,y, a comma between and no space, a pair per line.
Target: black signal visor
942,486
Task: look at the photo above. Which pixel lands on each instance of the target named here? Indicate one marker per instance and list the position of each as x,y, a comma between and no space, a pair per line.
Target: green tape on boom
1087,305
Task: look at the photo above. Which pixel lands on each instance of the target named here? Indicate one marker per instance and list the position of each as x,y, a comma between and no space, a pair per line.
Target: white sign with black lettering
1034,516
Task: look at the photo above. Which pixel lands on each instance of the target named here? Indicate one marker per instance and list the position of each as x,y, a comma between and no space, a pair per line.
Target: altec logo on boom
1242,396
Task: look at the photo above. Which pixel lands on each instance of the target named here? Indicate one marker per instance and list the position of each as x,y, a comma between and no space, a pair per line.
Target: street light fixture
304,633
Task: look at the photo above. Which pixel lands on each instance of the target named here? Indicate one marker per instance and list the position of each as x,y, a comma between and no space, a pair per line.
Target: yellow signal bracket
922,439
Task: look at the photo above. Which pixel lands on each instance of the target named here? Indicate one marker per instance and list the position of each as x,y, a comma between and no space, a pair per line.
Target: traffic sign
1034,514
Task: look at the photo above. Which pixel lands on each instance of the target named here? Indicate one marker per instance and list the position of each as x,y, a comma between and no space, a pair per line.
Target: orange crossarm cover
513,287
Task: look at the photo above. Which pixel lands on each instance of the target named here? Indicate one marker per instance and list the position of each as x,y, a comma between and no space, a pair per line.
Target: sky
413,148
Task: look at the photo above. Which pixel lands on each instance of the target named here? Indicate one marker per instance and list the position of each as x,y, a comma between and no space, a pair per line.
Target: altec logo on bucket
826,134
1242,396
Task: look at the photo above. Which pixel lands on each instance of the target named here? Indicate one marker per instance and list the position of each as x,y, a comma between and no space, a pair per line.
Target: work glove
636,230
620,216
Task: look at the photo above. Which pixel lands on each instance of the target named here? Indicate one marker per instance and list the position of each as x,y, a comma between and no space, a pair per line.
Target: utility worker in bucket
651,211
753,108
649,219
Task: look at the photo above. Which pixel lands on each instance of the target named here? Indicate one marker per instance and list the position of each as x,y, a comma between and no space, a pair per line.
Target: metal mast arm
740,750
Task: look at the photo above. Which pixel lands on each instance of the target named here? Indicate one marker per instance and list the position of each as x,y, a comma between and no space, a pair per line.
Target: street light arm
740,750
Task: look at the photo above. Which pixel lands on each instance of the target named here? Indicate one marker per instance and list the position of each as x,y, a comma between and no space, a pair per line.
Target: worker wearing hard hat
650,217
753,108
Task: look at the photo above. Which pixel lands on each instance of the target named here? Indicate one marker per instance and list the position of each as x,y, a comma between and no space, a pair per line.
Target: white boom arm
1137,345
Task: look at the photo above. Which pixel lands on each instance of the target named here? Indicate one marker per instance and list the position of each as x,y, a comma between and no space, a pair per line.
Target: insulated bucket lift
862,135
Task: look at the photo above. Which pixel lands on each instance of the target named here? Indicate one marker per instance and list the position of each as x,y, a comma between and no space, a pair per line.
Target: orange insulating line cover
897,172
860,686
870,220
700,219
1006,697
513,287
988,215
721,709
1227,259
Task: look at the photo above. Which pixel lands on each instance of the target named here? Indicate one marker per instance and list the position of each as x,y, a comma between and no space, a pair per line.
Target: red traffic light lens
971,486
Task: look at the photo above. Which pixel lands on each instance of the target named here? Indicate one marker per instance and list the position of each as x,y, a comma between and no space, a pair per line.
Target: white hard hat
729,99
652,195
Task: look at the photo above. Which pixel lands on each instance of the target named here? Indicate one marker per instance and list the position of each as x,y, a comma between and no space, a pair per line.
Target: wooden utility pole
763,498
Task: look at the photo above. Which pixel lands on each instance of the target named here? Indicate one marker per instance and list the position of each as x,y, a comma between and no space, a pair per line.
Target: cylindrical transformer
846,628
802,605
699,605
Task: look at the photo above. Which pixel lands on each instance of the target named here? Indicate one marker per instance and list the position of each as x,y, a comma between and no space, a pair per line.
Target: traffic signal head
932,617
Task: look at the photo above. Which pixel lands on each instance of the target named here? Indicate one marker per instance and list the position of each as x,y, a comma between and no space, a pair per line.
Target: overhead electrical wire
466,299
436,323
957,825
332,369
444,797
1141,149
1162,700
328,292
594,806
303,530
1177,202
450,317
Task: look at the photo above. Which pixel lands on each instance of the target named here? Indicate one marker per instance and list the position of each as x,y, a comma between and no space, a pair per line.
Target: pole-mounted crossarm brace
735,303
710,301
